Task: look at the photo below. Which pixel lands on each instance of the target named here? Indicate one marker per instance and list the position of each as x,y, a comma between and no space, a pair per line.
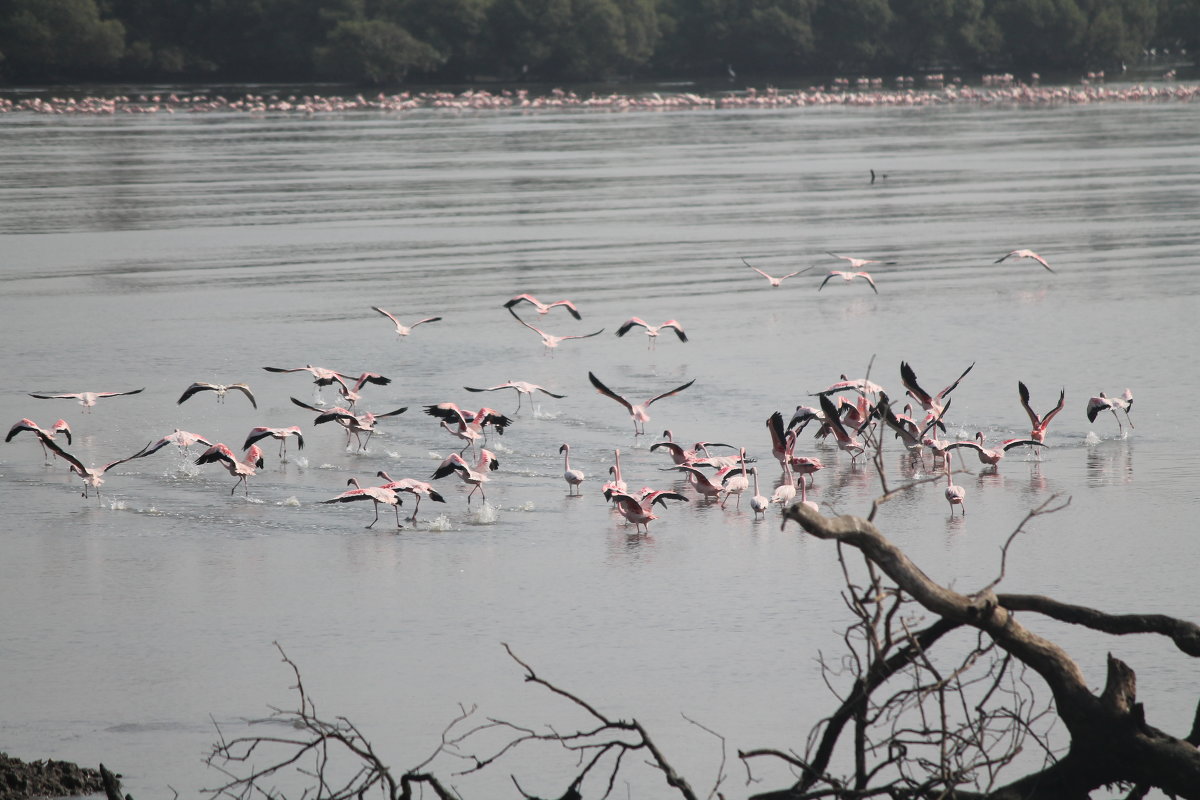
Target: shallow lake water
157,251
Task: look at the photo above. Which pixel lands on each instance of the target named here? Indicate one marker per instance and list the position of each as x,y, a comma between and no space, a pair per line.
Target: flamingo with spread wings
637,412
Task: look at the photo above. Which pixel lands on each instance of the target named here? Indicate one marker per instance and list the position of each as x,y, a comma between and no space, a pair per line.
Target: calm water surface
153,252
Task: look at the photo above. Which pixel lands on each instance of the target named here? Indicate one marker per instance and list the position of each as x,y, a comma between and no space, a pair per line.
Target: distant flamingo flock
856,415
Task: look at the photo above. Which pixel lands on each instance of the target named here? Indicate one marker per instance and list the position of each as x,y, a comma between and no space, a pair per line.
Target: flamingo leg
376,504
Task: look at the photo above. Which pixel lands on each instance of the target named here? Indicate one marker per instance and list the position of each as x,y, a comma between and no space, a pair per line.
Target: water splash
439,523
301,462
526,506
486,514
1091,438
291,501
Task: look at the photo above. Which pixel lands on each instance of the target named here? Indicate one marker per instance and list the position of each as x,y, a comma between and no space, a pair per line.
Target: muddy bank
20,779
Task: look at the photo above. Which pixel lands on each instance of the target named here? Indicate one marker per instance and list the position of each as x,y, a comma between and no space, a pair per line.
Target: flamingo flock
854,420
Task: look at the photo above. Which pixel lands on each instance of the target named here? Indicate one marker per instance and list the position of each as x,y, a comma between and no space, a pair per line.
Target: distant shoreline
999,91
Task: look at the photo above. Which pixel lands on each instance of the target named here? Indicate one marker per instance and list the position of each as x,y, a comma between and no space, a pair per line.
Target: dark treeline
384,42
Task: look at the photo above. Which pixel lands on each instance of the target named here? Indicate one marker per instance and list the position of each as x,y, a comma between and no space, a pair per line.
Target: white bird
758,503
1024,254
220,390
86,399
92,476
521,388
637,412
652,331
573,477
376,494
551,341
617,484
736,480
955,494
1102,402
541,307
401,329
775,282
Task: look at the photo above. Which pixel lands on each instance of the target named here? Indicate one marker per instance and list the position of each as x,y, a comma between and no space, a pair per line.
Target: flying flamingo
848,276
782,442
550,340
325,377
351,393
401,329
991,456
573,477
1101,402
541,307
243,469
844,440
652,331
220,390
282,434
638,510
521,388
775,282
470,425
859,263
416,488
1024,254
637,412
1039,423
181,439
92,476
844,384
955,495
355,424
86,399
376,494
474,477
933,404
60,426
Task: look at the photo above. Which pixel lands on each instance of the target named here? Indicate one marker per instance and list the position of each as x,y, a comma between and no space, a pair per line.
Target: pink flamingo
541,307
282,434
219,388
416,488
325,377
1024,254
775,282
376,494
573,477
86,399
1101,402
521,388
806,465
933,404
617,484
60,426
243,469
1039,423
638,510
700,481
549,340
356,424
351,394
181,439
92,476
991,456
474,477
844,440
955,494
401,329
848,276
652,331
782,442
844,384
470,425
637,412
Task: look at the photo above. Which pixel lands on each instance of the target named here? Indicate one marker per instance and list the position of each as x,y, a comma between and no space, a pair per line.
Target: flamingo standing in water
735,480
541,307
1024,254
60,426
282,434
220,389
955,494
638,412
86,399
652,331
617,484
1039,423
403,330
243,469
521,388
573,477
376,494
638,509
1102,402
92,476
549,340
775,282
758,503
475,477
416,488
